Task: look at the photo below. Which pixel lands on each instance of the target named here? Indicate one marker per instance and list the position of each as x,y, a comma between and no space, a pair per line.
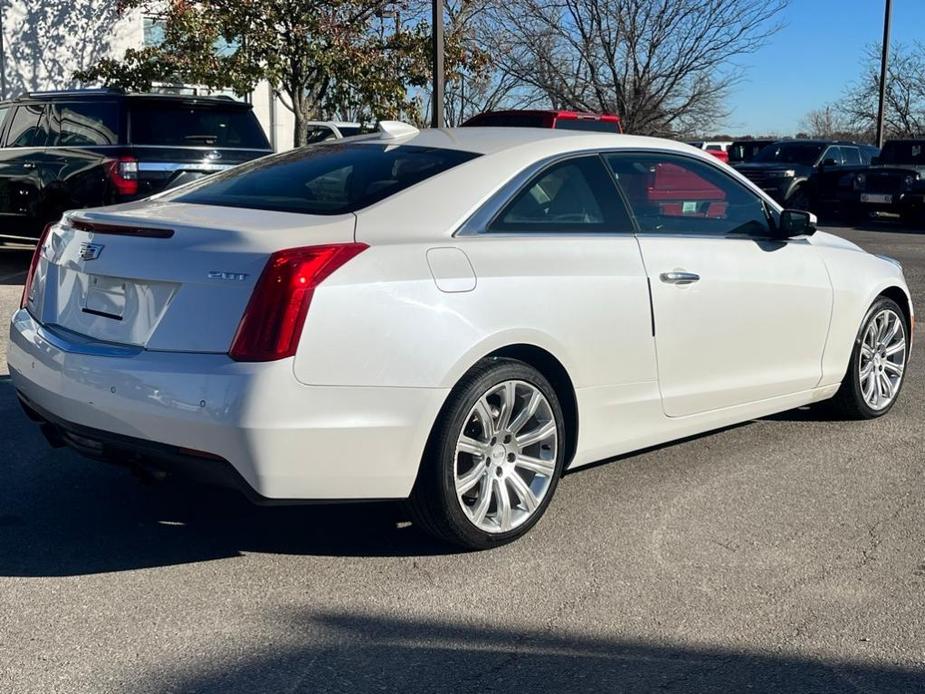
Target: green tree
321,56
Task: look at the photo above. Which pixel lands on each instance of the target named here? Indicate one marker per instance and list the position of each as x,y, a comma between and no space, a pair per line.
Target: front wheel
494,458
799,200
878,363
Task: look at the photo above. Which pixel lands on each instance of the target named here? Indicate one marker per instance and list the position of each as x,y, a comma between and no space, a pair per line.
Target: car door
832,168
21,173
740,316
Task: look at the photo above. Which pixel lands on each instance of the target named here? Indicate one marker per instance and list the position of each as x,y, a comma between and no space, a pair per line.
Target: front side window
832,156
88,124
680,195
28,128
325,179
575,195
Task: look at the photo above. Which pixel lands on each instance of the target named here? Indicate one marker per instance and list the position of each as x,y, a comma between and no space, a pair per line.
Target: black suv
67,150
808,174
894,183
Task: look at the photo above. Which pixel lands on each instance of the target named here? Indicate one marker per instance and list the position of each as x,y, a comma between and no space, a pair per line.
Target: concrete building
46,41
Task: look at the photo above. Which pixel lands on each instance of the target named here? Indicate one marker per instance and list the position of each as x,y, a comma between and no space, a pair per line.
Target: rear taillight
33,265
123,174
272,323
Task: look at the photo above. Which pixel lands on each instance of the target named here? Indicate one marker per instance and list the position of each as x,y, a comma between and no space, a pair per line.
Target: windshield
746,150
325,179
179,124
903,153
790,153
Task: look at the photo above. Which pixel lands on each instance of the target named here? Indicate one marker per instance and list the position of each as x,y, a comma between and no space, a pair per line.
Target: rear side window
166,124
28,128
4,110
88,124
325,179
576,195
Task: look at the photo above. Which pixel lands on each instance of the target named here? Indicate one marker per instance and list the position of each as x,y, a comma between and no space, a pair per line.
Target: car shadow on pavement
362,652
14,262
63,515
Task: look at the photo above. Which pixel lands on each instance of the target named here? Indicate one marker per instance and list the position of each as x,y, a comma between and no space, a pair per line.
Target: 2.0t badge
90,251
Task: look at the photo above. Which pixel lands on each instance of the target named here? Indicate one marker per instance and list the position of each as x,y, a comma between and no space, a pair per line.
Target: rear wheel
878,363
494,458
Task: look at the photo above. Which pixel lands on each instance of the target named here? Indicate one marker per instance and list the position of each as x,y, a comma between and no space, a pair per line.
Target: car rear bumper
251,426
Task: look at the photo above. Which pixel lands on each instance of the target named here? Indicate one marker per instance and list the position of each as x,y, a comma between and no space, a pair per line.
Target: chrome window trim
177,166
477,223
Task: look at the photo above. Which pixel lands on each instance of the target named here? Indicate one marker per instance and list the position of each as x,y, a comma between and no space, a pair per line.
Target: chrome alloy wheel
505,456
883,359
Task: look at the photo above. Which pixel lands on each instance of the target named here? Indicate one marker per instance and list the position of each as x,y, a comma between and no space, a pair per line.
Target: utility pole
884,62
436,120
2,55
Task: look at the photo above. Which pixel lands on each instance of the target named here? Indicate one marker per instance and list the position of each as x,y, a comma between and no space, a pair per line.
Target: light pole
2,55
436,120
884,61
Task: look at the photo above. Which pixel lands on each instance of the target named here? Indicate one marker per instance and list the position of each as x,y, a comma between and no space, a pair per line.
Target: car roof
491,140
111,94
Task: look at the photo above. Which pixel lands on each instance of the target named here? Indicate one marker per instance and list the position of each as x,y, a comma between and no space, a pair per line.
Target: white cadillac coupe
449,316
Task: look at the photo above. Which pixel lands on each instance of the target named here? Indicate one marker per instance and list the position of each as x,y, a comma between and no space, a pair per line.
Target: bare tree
665,66
905,93
830,122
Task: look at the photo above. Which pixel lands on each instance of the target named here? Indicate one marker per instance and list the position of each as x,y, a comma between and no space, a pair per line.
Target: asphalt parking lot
782,555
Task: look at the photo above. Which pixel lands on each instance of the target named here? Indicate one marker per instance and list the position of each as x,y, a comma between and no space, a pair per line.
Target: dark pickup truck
894,183
86,148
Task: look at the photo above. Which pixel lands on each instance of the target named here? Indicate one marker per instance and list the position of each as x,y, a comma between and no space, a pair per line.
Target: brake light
272,323
33,264
123,174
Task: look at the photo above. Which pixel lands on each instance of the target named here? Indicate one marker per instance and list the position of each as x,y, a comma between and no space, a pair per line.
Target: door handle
28,165
679,277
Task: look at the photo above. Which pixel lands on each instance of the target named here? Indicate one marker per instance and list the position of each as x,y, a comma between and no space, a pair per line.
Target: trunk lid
165,276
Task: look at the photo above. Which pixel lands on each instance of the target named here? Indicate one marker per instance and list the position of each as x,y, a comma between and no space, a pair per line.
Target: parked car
319,130
742,151
562,120
812,175
451,315
894,183
717,149
85,148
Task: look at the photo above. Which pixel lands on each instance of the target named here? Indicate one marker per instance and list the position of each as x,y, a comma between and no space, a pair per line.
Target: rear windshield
187,125
903,153
601,126
325,179
525,119
746,150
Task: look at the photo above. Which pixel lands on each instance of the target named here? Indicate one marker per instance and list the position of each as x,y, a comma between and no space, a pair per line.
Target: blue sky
811,60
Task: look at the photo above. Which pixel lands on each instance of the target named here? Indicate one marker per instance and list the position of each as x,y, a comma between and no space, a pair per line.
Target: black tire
849,401
433,505
799,200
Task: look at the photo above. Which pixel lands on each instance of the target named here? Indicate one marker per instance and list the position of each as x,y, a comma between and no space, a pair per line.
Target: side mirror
829,162
797,223
875,161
